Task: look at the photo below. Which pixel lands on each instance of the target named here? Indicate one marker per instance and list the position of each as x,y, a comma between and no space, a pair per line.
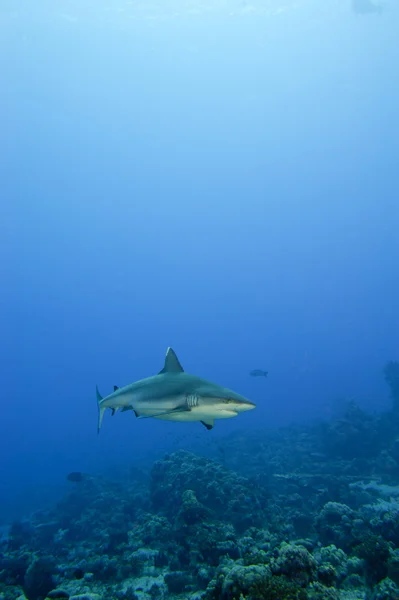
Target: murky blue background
220,177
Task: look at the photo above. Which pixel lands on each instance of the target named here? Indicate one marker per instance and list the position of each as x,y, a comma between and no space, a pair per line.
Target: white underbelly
197,414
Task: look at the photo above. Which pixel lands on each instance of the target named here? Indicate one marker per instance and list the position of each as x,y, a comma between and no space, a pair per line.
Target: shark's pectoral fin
165,412
209,423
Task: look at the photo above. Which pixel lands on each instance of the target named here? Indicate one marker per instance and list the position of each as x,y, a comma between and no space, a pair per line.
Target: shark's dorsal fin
116,387
172,364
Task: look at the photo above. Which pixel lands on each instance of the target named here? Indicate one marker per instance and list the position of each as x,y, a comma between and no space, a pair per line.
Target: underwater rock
231,497
354,435
327,575
391,375
331,557
192,511
278,587
203,577
334,524
13,568
232,581
205,543
19,534
85,597
150,529
393,566
383,518
104,568
394,450
177,581
76,477
57,593
385,463
318,591
38,580
375,552
296,563
140,588
386,590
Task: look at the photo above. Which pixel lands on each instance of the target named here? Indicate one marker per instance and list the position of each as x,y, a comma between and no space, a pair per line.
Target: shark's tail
101,410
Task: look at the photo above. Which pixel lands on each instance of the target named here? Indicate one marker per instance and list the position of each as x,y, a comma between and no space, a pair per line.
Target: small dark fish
258,373
76,477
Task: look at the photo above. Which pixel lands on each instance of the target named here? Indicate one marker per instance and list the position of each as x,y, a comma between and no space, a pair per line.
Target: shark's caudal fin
101,410
172,364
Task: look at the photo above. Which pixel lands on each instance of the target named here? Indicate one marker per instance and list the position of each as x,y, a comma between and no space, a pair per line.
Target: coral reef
391,375
320,522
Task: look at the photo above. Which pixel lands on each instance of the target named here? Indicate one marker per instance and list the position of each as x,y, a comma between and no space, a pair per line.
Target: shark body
174,395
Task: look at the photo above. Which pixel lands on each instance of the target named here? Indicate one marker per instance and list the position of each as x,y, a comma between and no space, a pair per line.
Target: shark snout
239,406
244,406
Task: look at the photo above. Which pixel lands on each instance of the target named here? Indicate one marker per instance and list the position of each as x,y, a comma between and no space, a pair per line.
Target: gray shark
174,395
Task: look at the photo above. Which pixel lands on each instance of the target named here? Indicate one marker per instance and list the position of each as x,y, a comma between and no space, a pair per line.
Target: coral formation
391,375
319,523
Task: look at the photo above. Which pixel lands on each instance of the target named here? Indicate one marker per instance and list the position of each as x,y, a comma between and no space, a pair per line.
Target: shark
174,395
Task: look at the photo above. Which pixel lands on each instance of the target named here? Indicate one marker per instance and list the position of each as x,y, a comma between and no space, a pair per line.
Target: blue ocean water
216,176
